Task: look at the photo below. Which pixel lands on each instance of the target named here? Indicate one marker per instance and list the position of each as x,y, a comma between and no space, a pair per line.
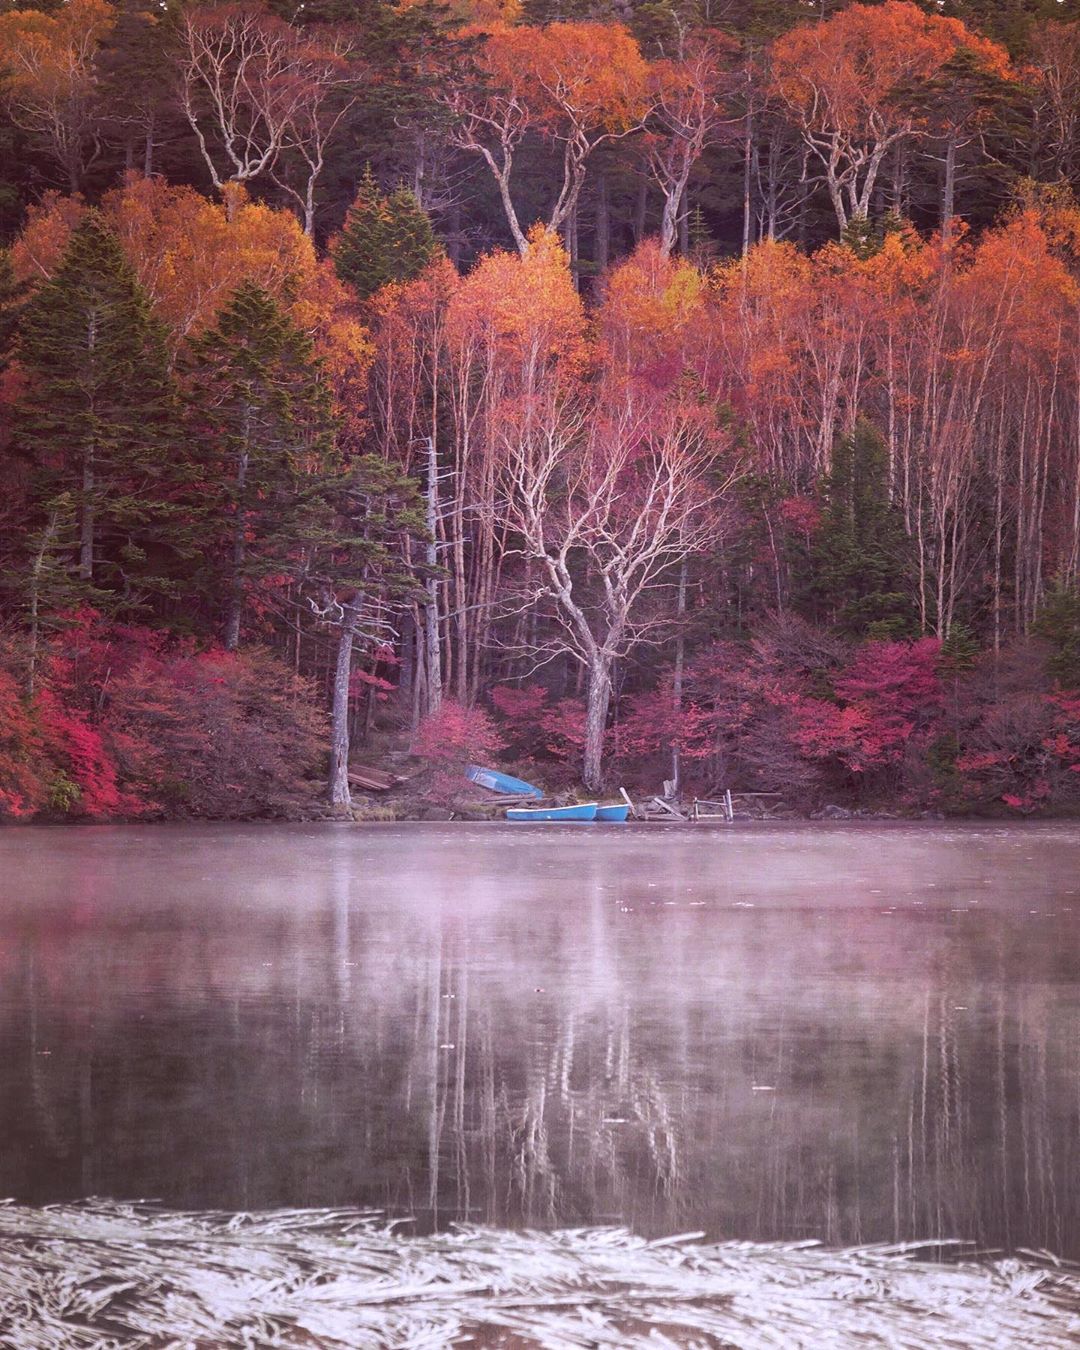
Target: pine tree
860,575
98,418
1058,623
135,65
412,240
11,296
384,239
262,418
360,573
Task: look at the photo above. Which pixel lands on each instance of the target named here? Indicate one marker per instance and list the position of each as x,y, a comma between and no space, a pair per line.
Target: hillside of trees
618,391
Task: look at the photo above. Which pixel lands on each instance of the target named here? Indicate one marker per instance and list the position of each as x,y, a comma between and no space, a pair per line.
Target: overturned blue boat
501,782
544,814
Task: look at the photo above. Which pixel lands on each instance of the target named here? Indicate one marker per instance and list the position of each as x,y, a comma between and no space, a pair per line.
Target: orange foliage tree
452,353
852,84
575,84
688,116
51,84
191,254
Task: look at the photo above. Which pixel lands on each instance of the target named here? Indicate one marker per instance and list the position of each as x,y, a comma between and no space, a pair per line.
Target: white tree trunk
597,701
339,725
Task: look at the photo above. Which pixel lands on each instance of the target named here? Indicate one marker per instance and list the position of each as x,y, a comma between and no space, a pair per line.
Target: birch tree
606,504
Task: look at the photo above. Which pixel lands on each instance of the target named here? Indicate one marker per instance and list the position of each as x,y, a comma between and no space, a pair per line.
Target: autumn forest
621,392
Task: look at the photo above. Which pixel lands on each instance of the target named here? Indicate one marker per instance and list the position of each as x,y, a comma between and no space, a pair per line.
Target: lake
846,1032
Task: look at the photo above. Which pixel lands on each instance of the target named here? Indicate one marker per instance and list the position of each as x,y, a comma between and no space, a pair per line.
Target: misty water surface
844,1033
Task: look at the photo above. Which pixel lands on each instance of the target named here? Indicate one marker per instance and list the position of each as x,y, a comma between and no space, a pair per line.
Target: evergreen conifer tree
1058,623
360,574
384,239
11,295
98,418
860,574
263,423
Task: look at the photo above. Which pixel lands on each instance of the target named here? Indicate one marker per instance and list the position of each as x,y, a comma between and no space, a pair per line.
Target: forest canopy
638,392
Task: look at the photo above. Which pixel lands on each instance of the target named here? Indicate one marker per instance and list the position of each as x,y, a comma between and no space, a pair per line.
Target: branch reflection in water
848,1035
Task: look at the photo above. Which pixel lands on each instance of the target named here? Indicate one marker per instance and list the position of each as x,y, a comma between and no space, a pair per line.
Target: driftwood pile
109,1275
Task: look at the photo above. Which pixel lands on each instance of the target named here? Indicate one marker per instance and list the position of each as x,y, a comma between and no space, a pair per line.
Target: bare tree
254,89
51,87
576,85
688,117
331,94
607,503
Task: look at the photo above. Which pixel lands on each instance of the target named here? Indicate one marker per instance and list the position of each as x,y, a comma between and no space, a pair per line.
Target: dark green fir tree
1058,623
263,425
98,417
11,297
384,239
360,576
860,576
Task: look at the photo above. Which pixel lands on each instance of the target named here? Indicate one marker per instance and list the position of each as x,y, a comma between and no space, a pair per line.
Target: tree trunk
86,518
432,647
948,190
640,209
339,722
603,225
236,584
748,183
677,681
597,699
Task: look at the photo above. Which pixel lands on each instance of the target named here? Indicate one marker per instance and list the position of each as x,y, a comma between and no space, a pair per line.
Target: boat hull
541,815
613,814
501,782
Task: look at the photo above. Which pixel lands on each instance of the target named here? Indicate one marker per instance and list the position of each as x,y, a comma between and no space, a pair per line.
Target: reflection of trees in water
758,1075
991,1142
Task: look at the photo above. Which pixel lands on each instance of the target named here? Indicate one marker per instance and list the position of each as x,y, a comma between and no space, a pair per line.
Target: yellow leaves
46,53
325,308
189,256
652,307
38,249
527,306
773,272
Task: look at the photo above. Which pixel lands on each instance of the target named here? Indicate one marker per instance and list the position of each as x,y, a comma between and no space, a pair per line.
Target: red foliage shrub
534,726
521,710
218,733
456,735
452,738
85,780
129,724
792,711
23,789
888,693
1023,751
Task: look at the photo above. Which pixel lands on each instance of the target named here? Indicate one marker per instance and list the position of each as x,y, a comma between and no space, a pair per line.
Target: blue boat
545,814
501,782
613,814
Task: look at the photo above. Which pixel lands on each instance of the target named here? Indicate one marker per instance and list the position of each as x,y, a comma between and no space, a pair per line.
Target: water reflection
846,1035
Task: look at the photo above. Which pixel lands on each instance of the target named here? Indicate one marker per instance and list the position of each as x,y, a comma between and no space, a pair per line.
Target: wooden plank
666,806
376,780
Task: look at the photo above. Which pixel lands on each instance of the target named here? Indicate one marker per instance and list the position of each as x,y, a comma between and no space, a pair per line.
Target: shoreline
100,1272
669,823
